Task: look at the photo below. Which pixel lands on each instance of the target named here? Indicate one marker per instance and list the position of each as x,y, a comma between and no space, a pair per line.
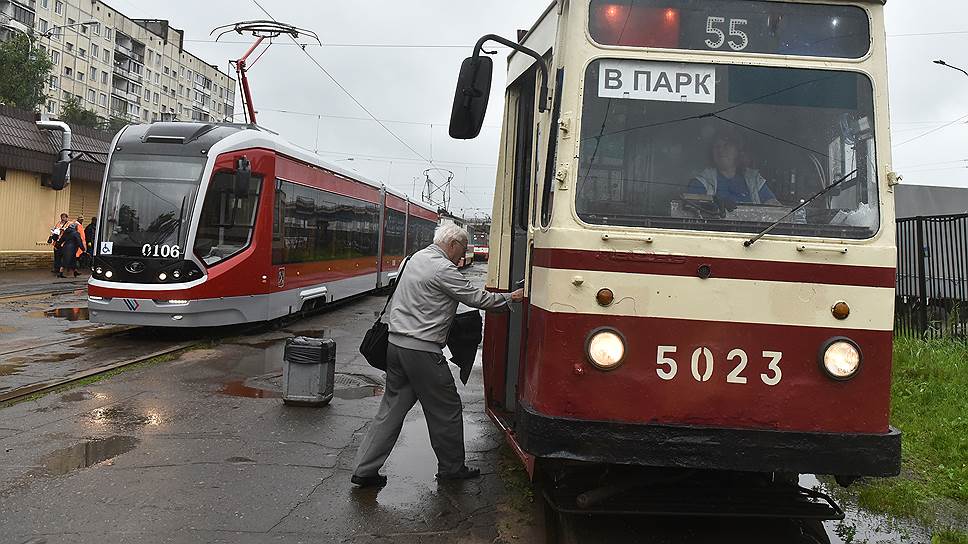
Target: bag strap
394,289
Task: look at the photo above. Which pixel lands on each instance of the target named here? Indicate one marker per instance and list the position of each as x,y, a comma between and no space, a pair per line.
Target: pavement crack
301,502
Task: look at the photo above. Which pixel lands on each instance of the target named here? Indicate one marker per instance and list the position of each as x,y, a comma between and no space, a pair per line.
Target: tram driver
729,178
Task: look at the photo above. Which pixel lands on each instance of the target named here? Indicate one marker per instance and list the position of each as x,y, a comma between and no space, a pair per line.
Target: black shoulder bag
375,341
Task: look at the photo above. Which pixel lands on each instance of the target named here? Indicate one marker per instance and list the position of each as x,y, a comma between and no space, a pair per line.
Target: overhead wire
357,102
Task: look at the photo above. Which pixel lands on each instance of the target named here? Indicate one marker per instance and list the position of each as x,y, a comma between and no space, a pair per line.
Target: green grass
930,406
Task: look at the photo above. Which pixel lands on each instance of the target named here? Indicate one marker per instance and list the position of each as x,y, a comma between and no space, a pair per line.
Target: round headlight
606,349
162,276
176,274
108,274
841,358
99,270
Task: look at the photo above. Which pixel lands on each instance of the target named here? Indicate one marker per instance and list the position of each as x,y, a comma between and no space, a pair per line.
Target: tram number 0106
156,250
701,364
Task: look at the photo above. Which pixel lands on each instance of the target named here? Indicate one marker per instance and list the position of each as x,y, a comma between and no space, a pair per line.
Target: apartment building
136,69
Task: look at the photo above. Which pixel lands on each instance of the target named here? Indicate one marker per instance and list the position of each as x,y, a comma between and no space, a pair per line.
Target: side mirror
243,177
470,99
58,178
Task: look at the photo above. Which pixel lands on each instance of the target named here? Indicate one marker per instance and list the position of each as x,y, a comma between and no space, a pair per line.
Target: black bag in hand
377,339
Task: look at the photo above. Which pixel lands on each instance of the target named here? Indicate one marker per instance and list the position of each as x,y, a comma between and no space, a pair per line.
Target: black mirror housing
58,178
471,96
243,177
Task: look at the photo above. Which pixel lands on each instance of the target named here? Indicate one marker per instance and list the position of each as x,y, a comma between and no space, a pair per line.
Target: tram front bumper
182,314
748,450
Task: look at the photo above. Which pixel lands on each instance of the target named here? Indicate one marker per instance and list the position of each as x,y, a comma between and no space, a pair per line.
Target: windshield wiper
822,192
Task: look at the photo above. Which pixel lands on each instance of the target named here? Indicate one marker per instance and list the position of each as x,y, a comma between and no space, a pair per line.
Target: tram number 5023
156,250
701,365
717,28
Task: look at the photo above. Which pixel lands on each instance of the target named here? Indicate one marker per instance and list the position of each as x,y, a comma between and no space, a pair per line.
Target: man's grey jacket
425,301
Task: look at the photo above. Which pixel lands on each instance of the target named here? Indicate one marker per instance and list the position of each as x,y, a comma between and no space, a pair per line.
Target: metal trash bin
308,371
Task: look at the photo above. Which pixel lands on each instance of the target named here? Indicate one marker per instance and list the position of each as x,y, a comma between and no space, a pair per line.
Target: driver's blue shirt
733,188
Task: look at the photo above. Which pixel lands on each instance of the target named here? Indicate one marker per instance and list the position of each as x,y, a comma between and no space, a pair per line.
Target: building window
94,51
68,72
45,4
157,78
51,107
80,75
55,57
96,28
70,21
69,46
167,71
53,82
150,53
42,25
104,78
83,29
155,99
107,33
91,95
93,75
106,53
81,52
147,95
103,100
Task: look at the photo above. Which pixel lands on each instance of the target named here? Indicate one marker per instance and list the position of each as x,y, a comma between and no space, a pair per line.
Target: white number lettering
733,31
175,251
166,251
146,250
711,29
734,376
774,366
661,359
708,372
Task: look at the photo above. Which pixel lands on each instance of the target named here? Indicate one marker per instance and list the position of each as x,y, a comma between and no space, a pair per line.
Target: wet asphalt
202,449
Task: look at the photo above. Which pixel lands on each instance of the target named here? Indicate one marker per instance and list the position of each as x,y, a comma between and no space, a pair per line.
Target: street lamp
945,64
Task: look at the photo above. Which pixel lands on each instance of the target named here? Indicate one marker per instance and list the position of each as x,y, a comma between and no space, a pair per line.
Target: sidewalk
27,282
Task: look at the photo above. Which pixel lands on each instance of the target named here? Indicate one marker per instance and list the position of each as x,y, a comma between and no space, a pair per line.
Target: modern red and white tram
217,224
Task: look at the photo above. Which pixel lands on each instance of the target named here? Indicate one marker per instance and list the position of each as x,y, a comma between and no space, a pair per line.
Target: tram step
793,502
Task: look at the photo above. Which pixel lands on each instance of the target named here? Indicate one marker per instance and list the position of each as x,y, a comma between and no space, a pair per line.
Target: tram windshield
148,205
727,148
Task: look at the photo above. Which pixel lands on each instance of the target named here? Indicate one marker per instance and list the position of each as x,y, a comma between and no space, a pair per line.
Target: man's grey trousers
411,376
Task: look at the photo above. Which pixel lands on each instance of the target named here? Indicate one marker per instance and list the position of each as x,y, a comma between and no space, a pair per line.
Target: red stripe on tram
738,269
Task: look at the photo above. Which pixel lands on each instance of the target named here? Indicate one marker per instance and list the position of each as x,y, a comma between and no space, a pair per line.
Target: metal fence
932,276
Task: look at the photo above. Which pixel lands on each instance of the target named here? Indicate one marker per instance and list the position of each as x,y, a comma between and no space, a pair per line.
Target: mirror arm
543,103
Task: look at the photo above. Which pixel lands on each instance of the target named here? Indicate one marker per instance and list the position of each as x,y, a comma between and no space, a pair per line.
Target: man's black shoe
465,473
369,481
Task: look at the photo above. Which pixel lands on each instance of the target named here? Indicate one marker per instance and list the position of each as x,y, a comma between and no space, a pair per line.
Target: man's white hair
449,232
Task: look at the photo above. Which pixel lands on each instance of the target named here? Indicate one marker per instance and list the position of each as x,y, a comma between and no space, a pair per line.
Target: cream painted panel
29,210
715,299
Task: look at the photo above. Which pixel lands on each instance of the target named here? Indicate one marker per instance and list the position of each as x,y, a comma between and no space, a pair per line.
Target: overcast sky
411,88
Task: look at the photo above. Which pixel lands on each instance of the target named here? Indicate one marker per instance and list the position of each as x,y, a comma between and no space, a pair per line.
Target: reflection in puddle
11,369
4,330
70,314
122,417
84,455
238,388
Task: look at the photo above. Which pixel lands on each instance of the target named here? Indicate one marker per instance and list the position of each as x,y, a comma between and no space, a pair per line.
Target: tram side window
227,220
393,234
420,234
315,225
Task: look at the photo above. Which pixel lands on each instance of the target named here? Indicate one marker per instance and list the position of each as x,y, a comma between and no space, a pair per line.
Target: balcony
128,52
125,95
121,70
21,11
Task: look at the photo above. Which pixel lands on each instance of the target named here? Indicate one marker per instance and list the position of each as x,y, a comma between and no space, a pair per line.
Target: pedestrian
71,241
54,241
420,316
90,233
81,253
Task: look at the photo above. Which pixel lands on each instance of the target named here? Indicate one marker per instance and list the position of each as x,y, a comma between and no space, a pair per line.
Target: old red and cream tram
698,199
217,224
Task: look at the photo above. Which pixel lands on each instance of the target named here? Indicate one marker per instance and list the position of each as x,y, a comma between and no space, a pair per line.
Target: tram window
315,225
420,234
733,26
733,151
393,233
227,220
523,146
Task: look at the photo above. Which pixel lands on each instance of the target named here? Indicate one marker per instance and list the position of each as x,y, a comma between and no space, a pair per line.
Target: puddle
239,460
7,329
862,526
85,454
238,388
120,416
70,314
76,396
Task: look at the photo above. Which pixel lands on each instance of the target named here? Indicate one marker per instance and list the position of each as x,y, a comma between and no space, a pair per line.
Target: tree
72,112
24,70
116,123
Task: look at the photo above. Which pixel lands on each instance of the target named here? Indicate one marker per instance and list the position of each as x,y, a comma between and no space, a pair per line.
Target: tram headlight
840,358
108,274
162,276
605,349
